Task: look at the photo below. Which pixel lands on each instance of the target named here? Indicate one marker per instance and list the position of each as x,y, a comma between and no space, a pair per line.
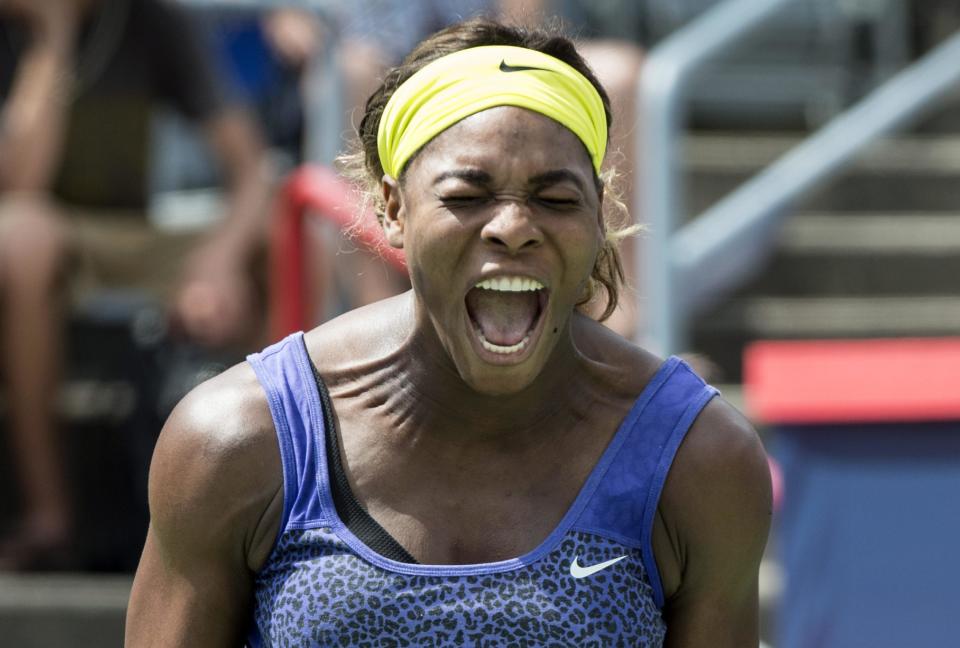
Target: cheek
583,247
433,244
421,282
433,254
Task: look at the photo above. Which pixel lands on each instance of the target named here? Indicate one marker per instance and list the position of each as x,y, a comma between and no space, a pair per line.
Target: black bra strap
351,513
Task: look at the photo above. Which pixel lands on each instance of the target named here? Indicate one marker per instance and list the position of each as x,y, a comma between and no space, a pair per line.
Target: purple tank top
592,582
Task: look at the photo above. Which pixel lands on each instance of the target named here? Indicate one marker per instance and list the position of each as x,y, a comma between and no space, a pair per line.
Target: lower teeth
496,348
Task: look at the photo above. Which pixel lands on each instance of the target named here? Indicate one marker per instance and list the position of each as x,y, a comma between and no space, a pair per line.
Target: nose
512,228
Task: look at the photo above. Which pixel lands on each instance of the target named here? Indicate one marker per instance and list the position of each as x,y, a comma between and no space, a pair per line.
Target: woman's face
500,219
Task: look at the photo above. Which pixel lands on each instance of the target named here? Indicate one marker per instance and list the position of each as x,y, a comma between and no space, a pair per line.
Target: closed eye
463,200
558,202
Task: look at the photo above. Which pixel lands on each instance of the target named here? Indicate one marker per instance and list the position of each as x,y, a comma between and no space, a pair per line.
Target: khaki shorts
121,250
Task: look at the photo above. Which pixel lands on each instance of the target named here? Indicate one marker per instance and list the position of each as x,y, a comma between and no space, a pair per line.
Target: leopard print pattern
316,592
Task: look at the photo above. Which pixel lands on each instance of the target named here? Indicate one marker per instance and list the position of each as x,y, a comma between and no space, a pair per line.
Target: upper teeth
510,284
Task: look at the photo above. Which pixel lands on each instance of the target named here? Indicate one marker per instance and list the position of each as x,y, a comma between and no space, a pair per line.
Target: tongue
503,317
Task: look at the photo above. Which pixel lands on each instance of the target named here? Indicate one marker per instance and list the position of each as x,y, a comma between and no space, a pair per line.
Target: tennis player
474,462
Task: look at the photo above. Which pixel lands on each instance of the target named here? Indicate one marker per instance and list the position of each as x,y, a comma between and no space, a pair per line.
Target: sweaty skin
460,458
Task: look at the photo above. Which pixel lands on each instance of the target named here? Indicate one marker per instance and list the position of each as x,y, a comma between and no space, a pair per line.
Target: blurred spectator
294,34
263,59
78,81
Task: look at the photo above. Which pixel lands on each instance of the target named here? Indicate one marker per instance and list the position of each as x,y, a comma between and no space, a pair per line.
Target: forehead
506,140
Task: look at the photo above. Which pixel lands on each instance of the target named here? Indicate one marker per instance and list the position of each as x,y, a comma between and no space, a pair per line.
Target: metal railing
686,268
314,191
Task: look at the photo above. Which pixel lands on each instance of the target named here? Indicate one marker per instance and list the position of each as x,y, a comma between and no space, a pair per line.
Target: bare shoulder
719,471
628,366
216,469
716,504
722,444
361,335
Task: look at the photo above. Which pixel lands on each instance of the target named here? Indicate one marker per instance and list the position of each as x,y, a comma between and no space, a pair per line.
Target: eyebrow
556,177
482,178
473,176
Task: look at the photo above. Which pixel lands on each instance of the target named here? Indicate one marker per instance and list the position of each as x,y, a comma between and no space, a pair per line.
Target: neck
406,378
441,403
463,411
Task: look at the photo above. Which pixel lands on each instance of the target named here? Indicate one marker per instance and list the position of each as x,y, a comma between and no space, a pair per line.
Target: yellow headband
463,83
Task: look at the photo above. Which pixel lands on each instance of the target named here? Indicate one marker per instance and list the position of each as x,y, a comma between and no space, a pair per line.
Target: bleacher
873,254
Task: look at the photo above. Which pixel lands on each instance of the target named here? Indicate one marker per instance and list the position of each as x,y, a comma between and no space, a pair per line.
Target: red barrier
316,191
846,381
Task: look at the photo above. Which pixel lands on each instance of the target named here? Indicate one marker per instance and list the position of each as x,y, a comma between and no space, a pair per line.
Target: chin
493,375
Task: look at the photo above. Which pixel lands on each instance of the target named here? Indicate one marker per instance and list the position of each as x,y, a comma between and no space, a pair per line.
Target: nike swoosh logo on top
504,67
579,571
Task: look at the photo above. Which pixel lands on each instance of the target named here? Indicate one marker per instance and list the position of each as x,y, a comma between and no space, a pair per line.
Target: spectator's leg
34,246
617,64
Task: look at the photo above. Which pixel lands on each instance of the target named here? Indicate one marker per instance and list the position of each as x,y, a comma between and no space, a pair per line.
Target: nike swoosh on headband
505,67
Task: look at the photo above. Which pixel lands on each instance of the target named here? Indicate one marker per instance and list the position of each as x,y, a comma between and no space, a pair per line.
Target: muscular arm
714,519
215,501
34,116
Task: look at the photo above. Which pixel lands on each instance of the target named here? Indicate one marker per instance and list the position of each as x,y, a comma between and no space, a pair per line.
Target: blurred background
169,202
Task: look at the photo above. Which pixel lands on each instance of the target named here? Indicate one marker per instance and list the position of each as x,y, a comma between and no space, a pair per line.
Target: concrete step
864,254
904,173
63,610
741,153
853,234
833,317
722,332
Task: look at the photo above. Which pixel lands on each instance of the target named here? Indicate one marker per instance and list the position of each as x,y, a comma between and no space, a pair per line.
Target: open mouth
505,313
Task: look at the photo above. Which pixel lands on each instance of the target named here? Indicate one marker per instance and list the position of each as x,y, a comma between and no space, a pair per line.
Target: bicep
720,505
186,602
725,616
